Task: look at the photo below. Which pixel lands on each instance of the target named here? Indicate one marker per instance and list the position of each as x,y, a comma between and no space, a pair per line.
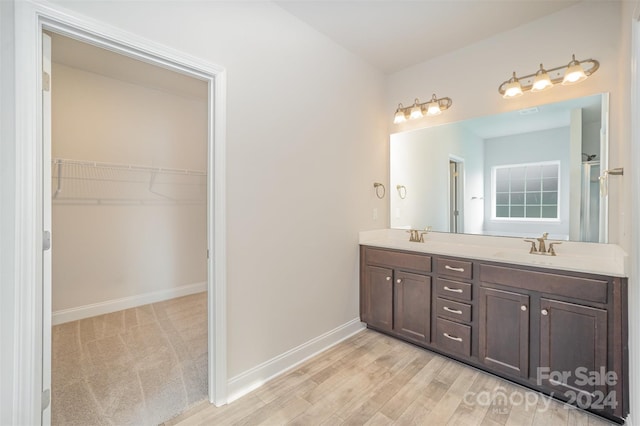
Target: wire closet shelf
92,182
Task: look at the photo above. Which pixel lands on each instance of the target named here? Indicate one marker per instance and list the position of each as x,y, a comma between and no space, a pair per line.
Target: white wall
545,145
550,40
102,253
306,139
7,213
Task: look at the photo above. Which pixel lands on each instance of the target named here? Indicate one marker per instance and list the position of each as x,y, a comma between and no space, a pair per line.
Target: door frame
459,189
30,21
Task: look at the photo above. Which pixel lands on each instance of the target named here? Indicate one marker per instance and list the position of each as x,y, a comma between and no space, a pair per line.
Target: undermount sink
525,256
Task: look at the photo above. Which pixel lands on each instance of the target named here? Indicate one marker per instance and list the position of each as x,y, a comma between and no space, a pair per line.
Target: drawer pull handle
523,308
544,312
451,268
448,336
453,290
388,278
399,281
453,311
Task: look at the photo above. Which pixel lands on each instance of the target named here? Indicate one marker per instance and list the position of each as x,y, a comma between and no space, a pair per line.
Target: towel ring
377,186
402,191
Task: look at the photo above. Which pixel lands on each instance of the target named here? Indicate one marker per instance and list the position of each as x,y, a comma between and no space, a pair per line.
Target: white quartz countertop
593,258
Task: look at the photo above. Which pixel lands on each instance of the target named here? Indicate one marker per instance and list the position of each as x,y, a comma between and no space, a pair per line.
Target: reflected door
454,196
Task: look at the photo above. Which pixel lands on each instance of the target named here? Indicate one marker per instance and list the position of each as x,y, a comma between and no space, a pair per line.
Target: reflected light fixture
435,106
574,72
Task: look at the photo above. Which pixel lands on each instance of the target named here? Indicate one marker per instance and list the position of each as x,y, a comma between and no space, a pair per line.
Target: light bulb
541,81
513,89
399,117
574,73
433,107
416,111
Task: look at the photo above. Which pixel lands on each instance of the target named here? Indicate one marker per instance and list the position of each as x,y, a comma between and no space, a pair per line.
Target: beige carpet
140,366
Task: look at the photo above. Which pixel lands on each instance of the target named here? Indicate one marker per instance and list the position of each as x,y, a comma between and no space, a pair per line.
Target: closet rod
128,167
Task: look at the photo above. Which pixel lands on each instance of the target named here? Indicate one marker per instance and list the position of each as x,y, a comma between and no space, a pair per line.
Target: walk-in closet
129,238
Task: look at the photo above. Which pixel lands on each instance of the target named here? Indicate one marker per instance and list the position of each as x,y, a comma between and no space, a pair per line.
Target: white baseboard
87,311
252,379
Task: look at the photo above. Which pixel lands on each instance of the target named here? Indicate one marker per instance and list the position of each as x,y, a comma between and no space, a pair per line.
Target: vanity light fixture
435,106
574,72
541,81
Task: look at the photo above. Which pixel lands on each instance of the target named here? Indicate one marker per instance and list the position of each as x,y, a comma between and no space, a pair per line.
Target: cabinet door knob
523,307
388,278
544,312
399,280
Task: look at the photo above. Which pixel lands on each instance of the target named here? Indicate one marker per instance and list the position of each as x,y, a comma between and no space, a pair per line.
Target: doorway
33,301
129,263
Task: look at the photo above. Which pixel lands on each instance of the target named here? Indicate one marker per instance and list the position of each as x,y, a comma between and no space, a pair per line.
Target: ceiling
542,117
395,34
389,34
84,56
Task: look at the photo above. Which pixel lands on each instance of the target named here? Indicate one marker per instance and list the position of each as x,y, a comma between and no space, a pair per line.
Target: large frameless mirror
516,174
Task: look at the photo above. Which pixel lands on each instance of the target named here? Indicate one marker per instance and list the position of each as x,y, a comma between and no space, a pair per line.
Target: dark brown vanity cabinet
395,294
504,331
558,332
454,306
411,310
377,298
564,333
573,339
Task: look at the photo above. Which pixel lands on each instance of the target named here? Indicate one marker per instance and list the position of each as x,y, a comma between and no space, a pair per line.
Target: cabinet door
378,306
504,331
573,349
412,315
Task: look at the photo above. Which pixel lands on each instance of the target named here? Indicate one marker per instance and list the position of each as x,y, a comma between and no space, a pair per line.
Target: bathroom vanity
556,324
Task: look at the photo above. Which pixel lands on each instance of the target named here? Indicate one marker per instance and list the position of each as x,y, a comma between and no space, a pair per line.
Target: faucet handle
413,237
533,246
552,251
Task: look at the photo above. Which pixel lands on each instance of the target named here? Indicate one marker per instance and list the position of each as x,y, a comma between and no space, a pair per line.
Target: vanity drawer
455,310
453,337
593,290
404,261
455,289
454,268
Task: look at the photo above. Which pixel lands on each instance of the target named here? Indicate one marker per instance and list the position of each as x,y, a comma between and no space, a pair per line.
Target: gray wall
546,145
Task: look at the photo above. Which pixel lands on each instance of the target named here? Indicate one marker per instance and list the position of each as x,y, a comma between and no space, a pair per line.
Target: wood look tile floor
372,379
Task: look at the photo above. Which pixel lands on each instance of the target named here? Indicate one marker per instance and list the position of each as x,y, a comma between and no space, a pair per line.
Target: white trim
257,376
633,302
115,305
30,19
217,240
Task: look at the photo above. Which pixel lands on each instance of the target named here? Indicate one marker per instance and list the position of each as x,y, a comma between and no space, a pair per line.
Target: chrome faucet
542,249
